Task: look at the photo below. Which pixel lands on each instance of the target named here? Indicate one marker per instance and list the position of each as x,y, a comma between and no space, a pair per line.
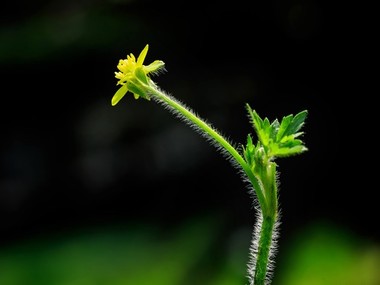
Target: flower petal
119,94
142,55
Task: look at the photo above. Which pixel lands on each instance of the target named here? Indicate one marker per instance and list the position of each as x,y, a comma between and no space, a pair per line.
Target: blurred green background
129,195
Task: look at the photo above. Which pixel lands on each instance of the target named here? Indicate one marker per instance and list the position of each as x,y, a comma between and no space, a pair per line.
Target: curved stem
177,107
269,210
256,164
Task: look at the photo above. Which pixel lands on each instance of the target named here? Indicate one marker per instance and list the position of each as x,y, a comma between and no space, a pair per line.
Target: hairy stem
255,161
179,108
268,210
264,248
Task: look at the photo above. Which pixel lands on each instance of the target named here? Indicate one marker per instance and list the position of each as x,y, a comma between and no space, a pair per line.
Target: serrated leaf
250,113
266,125
289,151
298,134
259,125
249,140
290,143
296,123
286,139
274,129
264,131
276,139
249,150
283,126
257,121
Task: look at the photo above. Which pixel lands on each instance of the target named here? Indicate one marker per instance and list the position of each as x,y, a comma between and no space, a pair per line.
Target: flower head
133,75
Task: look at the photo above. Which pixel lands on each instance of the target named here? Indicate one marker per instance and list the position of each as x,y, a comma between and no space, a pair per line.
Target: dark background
68,159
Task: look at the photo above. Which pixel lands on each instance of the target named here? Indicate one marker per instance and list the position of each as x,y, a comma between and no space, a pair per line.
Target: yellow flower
133,75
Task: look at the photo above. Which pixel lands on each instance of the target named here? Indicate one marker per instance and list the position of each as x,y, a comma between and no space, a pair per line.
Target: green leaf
274,129
249,150
259,126
257,121
296,123
277,139
262,128
283,126
288,151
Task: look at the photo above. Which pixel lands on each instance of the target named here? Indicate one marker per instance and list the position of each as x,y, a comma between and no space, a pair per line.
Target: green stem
191,117
265,242
269,211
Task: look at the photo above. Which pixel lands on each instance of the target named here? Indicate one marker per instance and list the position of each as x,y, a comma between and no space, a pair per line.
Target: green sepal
141,75
136,90
119,94
155,67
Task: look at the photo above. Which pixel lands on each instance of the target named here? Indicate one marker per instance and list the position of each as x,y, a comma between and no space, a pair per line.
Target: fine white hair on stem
195,127
254,248
188,116
273,249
